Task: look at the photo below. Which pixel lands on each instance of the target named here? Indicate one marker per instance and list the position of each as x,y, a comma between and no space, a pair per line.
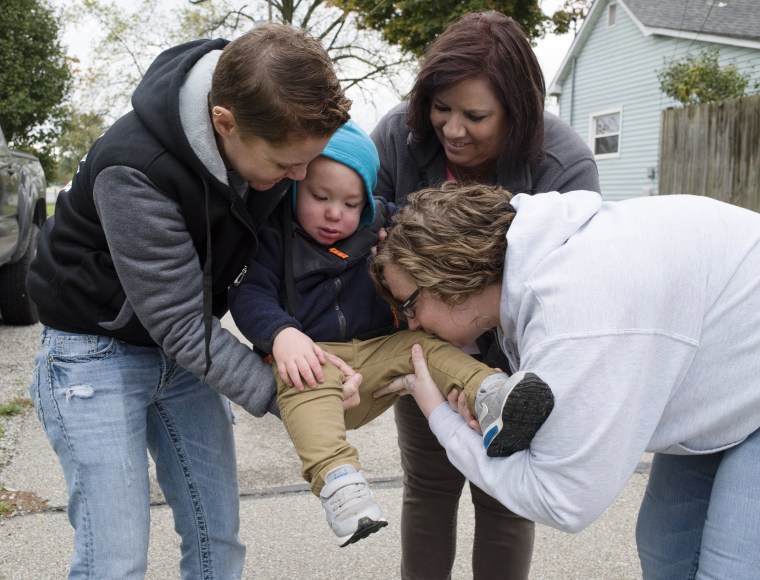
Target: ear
223,121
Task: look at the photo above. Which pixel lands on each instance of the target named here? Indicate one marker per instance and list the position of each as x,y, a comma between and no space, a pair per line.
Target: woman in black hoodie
131,278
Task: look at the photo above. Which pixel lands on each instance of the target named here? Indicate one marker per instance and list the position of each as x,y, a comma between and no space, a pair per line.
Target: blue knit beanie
351,146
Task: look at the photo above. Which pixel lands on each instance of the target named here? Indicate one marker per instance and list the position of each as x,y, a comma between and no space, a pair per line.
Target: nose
453,129
332,213
297,173
412,323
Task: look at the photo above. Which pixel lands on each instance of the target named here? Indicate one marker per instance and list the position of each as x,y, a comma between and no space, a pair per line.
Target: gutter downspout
572,94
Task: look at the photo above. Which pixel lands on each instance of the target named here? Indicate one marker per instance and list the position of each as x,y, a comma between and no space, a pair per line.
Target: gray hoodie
154,229
644,318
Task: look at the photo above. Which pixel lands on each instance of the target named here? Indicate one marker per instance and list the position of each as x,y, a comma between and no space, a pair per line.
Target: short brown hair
280,84
491,46
451,240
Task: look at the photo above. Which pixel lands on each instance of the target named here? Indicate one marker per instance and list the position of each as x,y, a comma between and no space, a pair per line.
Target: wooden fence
713,150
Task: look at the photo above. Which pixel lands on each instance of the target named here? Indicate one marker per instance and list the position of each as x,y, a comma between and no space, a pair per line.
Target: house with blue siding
607,86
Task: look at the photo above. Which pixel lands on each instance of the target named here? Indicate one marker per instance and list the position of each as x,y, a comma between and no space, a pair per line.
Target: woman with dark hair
475,114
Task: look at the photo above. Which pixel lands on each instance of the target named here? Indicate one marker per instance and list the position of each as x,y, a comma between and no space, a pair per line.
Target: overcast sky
550,52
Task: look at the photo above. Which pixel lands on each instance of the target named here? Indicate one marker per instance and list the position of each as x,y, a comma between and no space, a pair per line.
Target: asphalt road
282,523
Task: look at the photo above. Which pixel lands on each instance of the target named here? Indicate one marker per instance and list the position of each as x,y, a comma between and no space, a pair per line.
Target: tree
78,132
132,39
366,57
35,77
699,78
414,24
570,16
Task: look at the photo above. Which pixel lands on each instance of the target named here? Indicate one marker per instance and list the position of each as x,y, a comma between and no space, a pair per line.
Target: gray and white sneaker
349,507
511,409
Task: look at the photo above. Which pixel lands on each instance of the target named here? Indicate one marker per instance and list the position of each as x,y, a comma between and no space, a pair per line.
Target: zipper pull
240,277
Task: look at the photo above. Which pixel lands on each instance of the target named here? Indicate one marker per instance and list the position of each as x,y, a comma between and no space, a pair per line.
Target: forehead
328,168
398,281
335,178
475,92
296,152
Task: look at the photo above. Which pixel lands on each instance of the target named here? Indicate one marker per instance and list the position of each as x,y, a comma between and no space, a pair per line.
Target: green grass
15,407
50,209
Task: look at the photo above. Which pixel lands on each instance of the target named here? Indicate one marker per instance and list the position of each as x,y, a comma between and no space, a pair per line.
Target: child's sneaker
510,410
350,510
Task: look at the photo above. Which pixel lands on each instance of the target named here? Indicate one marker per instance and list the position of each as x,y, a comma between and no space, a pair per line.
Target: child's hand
298,356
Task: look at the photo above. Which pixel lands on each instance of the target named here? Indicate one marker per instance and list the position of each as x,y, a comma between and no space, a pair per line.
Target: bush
699,78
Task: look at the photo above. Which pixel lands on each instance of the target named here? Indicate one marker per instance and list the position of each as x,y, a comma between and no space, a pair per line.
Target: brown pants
503,543
315,420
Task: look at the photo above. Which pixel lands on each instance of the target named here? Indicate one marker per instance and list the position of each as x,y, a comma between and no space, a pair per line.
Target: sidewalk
283,524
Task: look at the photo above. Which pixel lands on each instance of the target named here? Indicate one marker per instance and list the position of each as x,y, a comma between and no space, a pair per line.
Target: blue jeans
103,403
700,518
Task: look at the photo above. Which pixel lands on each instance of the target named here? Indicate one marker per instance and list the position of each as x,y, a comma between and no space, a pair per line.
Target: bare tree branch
134,37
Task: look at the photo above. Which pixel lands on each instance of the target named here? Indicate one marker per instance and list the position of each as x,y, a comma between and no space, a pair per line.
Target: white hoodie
643,316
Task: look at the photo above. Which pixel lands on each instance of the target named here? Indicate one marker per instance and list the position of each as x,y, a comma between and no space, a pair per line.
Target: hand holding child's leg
510,409
351,381
458,402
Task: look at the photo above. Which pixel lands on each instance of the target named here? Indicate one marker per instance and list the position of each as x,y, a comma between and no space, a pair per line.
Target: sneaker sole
366,527
525,410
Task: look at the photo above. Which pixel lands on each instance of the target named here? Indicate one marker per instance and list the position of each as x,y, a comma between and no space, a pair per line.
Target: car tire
16,307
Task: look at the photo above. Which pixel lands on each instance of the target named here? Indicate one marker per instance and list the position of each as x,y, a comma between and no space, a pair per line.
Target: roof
731,18
735,22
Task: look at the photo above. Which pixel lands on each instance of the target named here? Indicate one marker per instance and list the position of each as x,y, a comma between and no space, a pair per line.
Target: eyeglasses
407,306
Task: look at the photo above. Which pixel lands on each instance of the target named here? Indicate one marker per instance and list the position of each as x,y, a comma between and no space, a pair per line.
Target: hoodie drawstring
207,298
287,235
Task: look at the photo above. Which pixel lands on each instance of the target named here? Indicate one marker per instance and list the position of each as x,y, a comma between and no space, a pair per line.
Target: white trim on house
592,135
727,40
611,14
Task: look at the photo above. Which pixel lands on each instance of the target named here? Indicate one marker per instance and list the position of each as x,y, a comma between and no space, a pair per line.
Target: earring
217,112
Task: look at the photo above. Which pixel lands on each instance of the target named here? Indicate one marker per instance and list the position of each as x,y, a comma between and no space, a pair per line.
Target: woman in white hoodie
643,316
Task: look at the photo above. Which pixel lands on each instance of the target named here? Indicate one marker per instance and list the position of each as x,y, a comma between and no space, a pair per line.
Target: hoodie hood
172,103
543,223
352,147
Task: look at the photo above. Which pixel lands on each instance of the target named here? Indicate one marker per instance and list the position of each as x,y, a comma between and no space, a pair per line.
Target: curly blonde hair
451,240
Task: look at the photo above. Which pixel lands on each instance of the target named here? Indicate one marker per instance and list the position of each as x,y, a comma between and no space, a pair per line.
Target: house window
605,133
611,12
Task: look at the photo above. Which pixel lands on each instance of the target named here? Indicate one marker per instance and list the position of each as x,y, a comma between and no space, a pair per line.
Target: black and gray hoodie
153,230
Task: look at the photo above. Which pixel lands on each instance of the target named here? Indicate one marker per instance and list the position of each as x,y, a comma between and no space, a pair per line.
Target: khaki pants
315,419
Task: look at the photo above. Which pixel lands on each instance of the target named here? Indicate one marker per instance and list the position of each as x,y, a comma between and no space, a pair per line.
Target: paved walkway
283,524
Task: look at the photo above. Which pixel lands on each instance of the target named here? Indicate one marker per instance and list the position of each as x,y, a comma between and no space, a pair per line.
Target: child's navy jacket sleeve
255,304
390,208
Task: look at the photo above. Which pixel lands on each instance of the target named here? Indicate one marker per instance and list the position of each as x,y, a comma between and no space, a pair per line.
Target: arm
387,138
298,356
389,207
255,302
258,313
608,403
569,164
580,175
160,272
